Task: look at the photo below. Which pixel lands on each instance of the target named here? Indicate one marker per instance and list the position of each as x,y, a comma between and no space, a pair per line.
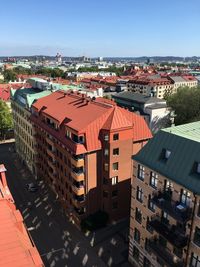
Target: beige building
157,87
165,200
21,101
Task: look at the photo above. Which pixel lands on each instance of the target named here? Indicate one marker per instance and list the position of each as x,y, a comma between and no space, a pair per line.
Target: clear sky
100,27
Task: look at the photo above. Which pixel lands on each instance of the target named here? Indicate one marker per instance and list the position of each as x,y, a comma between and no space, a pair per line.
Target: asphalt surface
58,241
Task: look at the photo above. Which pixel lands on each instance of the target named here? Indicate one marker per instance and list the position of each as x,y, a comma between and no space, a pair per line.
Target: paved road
58,241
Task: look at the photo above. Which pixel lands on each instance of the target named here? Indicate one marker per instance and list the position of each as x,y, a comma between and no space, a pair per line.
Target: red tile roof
88,117
16,248
5,89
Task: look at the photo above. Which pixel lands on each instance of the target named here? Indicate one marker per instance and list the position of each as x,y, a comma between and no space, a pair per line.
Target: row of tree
11,75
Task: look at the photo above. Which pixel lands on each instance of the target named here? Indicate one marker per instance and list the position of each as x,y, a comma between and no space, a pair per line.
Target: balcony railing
78,190
173,208
170,232
164,255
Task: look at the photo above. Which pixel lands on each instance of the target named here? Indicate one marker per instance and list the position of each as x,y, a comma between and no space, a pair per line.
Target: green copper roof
26,96
183,143
190,131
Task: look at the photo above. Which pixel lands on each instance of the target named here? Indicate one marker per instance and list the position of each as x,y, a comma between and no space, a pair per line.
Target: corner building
165,201
84,149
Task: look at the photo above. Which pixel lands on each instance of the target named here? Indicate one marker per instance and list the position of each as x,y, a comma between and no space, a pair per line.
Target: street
58,241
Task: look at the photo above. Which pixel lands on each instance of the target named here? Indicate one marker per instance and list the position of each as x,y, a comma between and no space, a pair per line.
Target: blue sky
100,28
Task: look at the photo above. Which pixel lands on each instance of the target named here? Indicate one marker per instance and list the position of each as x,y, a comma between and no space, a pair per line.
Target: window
146,263
167,153
154,179
114,180
106,167
198,168
115,136
138,215
165,217
185,197
106,137
141,172
114,193
151,205
136,253
114,205
115,166
115,151
146,245
137,235
195,260
197,236
139,194
148,226
168,186
106,152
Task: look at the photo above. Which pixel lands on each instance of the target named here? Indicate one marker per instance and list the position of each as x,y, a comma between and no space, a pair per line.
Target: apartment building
16,246
156,87
21,101
165,200
183,81
153,109
84,149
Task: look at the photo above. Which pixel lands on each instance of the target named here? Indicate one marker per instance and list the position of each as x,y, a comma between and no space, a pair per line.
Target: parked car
32,187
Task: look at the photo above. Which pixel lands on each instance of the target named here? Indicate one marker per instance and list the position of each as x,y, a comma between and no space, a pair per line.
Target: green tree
186,104
9,75
6,121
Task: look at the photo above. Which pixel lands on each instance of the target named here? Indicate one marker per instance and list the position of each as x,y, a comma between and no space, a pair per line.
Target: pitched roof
184,143
117,120
90,116
15,246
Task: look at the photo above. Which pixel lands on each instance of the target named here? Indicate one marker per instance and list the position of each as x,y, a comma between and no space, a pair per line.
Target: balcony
77,161
50,141
77,175
164,255
174,209
170,233
78,190
51,153
52,164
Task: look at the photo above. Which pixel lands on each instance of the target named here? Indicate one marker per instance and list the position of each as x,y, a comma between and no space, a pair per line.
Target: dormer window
167,153
198,167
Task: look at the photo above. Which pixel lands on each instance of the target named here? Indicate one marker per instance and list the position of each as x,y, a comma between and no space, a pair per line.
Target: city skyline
108,29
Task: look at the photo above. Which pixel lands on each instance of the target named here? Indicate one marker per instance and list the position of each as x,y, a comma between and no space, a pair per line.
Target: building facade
154,110
157,87
21,101
84,149
165,200
16,246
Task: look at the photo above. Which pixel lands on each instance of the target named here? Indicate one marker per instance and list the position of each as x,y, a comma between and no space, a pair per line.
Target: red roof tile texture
5,89
89,117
